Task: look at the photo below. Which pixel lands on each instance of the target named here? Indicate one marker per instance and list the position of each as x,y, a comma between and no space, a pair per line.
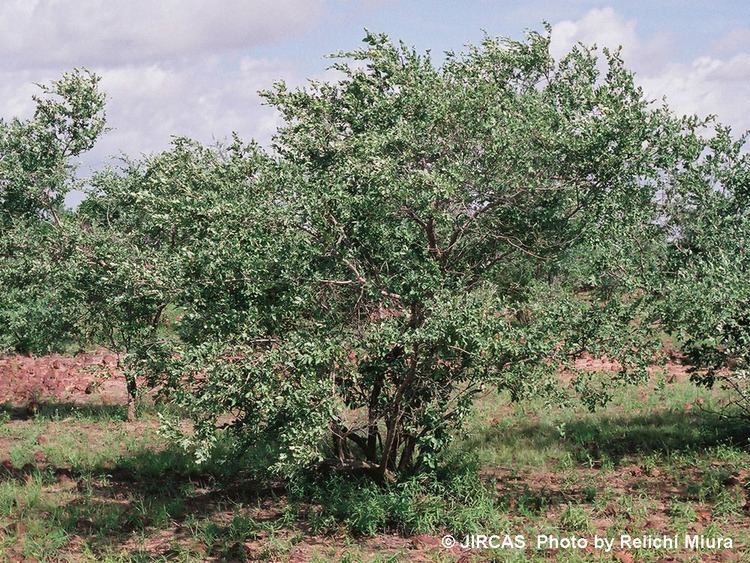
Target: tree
141,225
408,245
37,311
705,299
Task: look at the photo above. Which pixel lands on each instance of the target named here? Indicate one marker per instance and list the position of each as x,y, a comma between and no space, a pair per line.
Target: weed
575,519
589,493
728,502
457,501
119,487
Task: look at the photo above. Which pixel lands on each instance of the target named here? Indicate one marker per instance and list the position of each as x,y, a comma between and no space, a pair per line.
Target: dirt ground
635,491
86,378
92,378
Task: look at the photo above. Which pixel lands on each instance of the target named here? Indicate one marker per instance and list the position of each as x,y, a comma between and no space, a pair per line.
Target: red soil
92,377
89,377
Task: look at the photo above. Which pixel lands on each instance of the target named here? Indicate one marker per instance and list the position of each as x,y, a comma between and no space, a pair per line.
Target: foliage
706,296
144,224
412,242
36,172
419,233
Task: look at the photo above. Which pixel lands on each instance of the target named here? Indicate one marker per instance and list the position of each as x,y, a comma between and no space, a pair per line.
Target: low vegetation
85,485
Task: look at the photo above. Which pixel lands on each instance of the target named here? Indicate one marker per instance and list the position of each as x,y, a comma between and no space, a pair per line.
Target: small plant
575,519
651,463
590,493
454,500
531,503
728,502
242,528
682,512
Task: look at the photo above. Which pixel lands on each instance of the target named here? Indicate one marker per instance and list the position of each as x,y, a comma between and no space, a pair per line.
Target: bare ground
91,379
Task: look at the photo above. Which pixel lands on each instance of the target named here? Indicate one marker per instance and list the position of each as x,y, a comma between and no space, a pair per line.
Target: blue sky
193,67
442,25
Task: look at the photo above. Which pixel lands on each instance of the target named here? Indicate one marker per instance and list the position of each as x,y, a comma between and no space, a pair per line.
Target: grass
82,485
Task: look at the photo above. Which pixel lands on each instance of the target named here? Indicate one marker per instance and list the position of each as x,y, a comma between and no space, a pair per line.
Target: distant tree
143,224
706,293
37,309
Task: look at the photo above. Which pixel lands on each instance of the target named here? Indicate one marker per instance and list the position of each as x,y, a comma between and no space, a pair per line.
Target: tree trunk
390,445
340,449
394,420
408,452
372,419
132,388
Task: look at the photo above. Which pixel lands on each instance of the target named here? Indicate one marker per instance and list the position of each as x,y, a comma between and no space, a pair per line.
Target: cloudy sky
193,67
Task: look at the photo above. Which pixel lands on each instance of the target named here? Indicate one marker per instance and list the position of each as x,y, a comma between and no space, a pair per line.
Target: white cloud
16,89
54,33
737,39
168,67
707,85
606,28
206,100
601,26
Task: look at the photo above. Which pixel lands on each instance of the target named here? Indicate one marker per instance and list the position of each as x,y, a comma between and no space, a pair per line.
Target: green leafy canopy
418,233
409,243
